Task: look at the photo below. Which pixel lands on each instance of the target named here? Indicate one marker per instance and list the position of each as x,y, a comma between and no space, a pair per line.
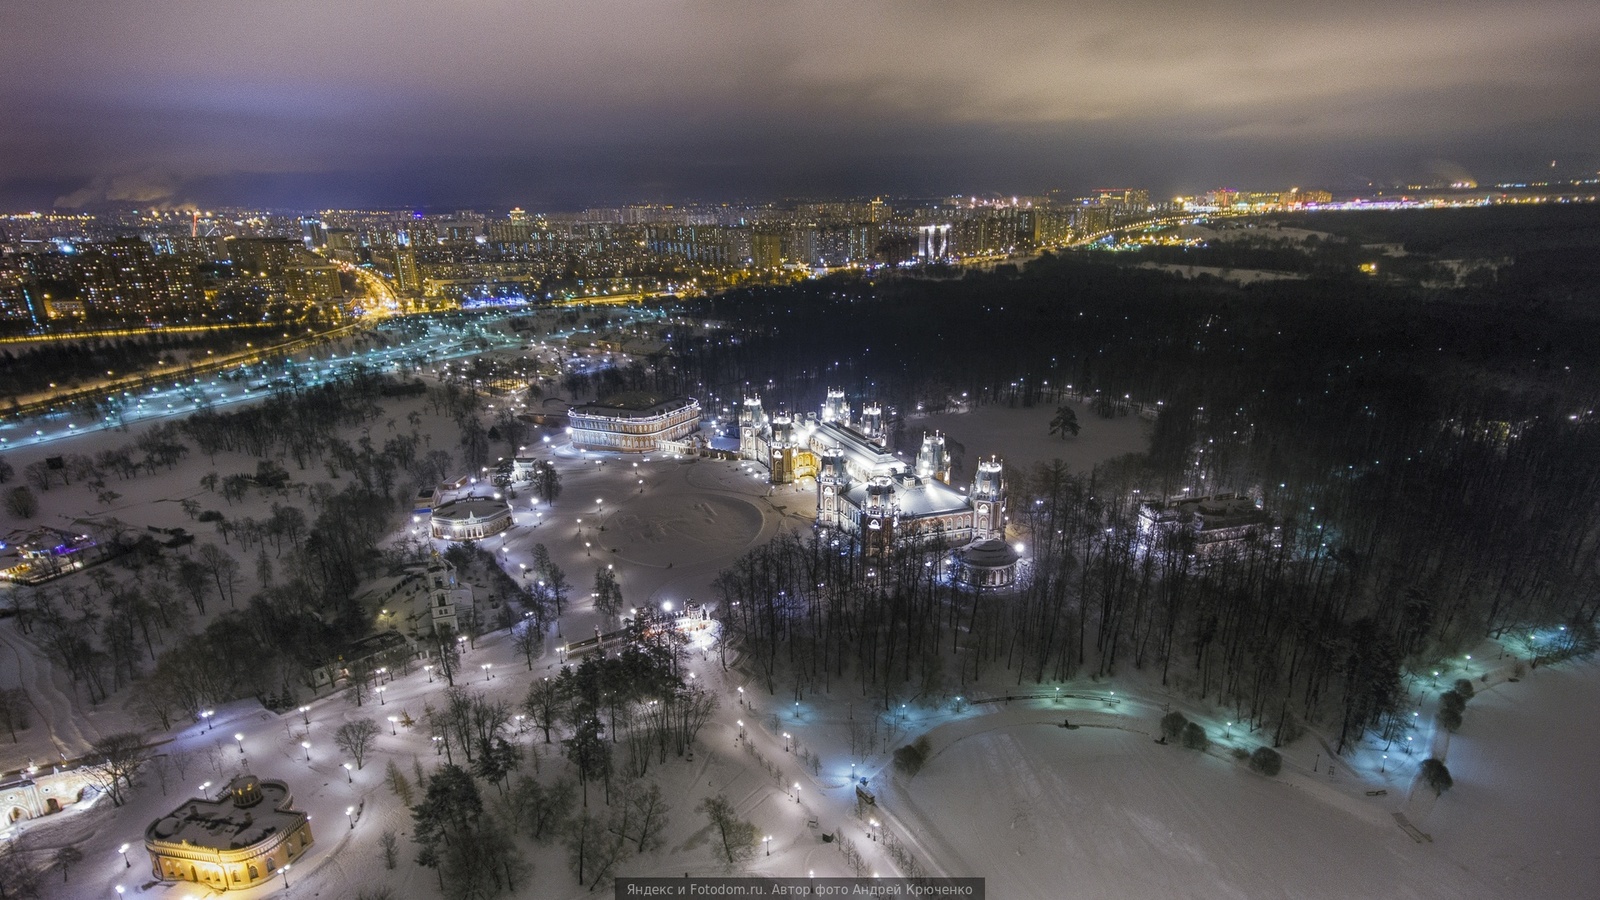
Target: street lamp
379,690
486,675
285,871
741,696
429,669
124,851
306,746
350,813
741,729
205,718
392,721
120,889
239,739
797,792
786,742
305,714
768,841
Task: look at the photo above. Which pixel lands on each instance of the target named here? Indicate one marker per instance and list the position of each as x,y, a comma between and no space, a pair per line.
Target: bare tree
115,762
64,859
646,815
356,737
735,839
390,845
14,707
21,502
528,640
544,705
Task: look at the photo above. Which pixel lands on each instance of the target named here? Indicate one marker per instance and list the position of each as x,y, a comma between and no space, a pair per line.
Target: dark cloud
516,101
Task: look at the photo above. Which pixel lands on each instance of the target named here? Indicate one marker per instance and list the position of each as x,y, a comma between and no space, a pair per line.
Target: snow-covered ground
1524,814
1100,810
1022,438
1042,811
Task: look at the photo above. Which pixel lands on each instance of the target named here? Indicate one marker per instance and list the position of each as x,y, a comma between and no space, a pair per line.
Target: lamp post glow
285,871
306,746
768,841
347,778
786,742
741,729
305,714
486,675
429,669
797,792
392,721
239,739
124,851
379,691
741,696
350,813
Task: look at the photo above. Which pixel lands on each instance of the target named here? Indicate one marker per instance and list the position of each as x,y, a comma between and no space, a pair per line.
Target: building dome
246,791
987,563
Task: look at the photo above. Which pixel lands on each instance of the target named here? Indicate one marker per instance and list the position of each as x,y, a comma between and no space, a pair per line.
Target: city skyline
499,104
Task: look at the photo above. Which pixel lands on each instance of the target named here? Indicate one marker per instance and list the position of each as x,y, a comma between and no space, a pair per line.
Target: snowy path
68,730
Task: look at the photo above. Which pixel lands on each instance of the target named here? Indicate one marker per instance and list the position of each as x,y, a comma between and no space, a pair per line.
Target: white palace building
634,422
862,488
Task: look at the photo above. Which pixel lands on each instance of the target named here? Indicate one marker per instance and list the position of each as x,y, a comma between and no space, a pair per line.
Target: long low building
470,518
634,422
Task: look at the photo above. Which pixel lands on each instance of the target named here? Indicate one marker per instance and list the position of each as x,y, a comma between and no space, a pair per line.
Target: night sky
561,105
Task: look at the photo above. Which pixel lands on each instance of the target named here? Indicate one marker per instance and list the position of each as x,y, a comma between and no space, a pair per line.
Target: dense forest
1431,459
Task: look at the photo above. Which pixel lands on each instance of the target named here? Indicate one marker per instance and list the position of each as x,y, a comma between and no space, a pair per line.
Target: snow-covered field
1524,815
1022,438
1042,811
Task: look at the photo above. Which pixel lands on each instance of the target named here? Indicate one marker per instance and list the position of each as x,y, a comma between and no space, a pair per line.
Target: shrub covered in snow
1172,725
909,759
1266,761
1436,776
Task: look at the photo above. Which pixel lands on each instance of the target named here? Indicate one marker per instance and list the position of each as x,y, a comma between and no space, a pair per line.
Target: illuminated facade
35,792
989,563
1215,525
470,519
862,488
633,423
232,843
